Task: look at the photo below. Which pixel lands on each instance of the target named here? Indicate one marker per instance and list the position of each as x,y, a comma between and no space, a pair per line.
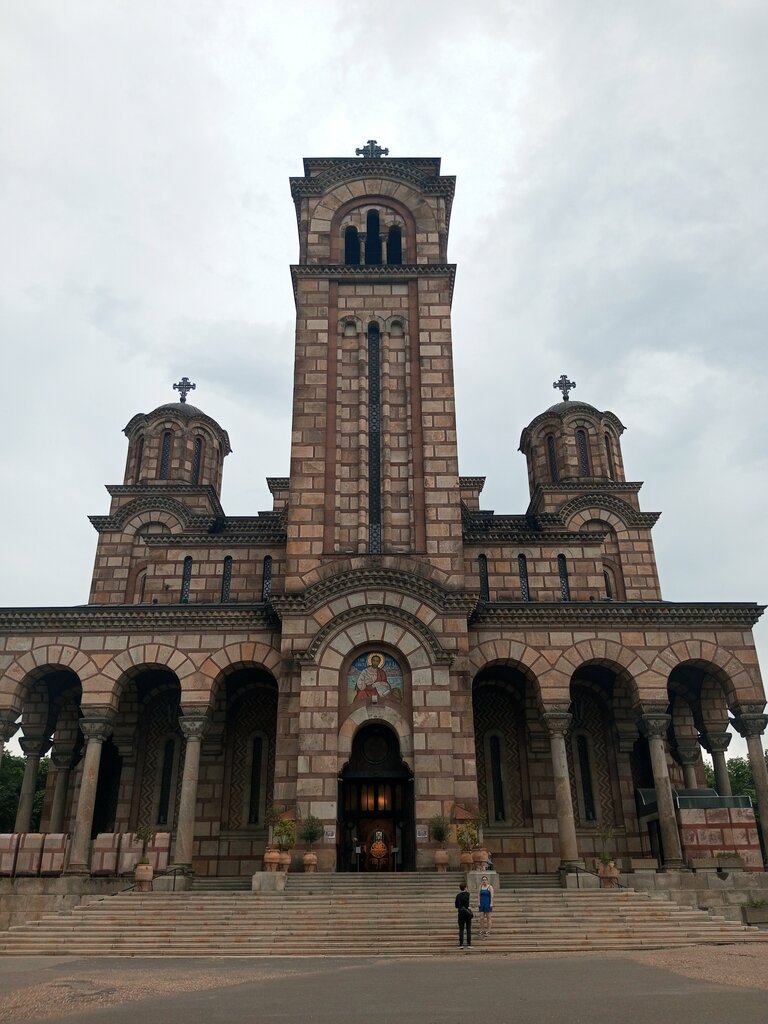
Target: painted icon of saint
372,680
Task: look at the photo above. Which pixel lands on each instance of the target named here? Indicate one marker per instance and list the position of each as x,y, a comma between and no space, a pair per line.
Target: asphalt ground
470,986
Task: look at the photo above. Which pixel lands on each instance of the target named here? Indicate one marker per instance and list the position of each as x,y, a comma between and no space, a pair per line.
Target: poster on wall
375,676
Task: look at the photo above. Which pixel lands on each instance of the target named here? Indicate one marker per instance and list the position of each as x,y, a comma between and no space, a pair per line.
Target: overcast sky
609,223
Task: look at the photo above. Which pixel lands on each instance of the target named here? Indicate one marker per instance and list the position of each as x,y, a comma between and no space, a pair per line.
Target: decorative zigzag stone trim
339,271
138,618
630,615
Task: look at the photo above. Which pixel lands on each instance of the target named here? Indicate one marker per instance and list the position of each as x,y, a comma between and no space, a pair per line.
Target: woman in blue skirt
485,908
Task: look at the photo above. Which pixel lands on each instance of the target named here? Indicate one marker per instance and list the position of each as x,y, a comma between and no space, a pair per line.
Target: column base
77,869
674,865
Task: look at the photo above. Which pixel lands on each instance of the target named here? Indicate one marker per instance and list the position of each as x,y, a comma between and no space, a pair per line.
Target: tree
11,775
740,774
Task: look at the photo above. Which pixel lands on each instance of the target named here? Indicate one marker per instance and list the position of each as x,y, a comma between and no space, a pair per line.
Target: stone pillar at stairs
96,731
750,722
558,723
655,725
193,726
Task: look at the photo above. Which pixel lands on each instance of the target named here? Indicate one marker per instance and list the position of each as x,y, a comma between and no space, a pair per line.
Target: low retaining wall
29,899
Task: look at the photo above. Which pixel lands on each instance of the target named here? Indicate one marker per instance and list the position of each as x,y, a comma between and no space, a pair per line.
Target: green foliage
284,833
310,830
145,834
757,903
740,774
440,827
11,775
605,834
467,836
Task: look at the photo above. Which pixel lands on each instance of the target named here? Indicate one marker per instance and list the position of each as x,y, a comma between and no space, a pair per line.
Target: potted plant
607,870
310,830
480,852
755,912
466,835
285,837
440,827
144,872
272,852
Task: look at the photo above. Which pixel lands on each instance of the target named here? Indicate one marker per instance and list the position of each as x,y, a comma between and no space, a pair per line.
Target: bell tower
374,469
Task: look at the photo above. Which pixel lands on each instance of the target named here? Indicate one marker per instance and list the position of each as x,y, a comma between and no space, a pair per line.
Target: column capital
61,759
557,722
654,723
8,725
194,726
688,753
96,728
750,724
34,746
715,742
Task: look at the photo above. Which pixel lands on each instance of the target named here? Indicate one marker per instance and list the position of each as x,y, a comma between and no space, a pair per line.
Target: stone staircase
361,915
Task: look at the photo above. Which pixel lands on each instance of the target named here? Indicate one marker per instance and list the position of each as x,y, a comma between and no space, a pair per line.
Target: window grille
609,457
583,446
552,458
266,578
166,776
374,440
585,769
482,562
562,568
522,568
226,579
165,457
197,460
186,579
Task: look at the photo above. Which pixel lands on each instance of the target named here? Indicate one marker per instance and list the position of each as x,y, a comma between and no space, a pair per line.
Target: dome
561,408
178,409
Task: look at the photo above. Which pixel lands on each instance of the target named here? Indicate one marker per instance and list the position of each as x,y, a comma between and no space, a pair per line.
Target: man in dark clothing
465,914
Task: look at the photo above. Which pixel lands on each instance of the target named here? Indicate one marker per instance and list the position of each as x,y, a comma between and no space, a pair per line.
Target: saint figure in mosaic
374,675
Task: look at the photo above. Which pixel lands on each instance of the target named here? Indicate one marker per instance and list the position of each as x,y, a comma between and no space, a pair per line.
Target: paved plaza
690,985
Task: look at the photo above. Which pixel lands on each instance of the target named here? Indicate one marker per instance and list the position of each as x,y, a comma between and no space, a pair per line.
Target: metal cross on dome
564,385
184,387
371,150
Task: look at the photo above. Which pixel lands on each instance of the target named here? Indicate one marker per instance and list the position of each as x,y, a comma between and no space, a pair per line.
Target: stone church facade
377,648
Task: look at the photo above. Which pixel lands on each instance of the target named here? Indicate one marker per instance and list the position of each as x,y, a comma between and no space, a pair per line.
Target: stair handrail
576,868
159,874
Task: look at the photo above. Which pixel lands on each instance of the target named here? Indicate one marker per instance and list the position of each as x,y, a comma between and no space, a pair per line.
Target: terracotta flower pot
609,875
479,859
271,860
310,861
465,860
441,860
285,861
143,876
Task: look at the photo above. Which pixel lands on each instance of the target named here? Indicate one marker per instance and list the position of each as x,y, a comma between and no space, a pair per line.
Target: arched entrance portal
376,831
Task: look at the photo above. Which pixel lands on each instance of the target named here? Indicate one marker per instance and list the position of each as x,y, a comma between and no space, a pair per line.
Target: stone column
750,722
558,723
8,726
33,750
193,726
96,731
63,765
688,756
655,726
717,744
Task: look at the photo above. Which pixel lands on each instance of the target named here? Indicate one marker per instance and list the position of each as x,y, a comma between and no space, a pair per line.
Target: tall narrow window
373,239
266,578
166,777
186,579
552,458
562,568
585,770
141,587
482,563
351,247
374,441
522,568
497,779
165,455
139,459
197,460
394,246
609,457
257,771
583,445
608,584
226,579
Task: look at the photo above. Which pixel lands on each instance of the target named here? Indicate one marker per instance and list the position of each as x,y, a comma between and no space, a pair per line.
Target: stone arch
414,641
533,664
416,216
365,714
373,570
612,510
35,663
142,511
228,659
740,684
627,664
133,660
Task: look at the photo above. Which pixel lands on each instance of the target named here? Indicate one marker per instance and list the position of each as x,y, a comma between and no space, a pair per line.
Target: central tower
373,296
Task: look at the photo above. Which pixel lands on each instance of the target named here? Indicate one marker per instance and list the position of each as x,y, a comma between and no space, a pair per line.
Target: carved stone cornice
96,728
750,719
361,273
485,527
688,753
363,612
367,578
156,487
138,618
9,724
608,614
716,742
194,726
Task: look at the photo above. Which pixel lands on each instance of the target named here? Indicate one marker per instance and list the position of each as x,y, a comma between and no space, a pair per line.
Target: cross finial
183,387
371,150
564,385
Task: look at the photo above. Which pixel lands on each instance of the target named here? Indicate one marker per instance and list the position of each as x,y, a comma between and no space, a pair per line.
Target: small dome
179,409
561,408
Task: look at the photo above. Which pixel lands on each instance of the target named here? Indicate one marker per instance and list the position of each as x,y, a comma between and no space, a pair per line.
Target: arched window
186,580
497,778
583,446
139,459
394,246
522,568
552,458
141,586
257,779
165,455
610,591
562,568
266,578
586,792
197,459
166,778
609,456
373,239
482,564
226,579
351,247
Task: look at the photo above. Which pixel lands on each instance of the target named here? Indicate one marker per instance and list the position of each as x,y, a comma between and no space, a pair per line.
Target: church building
377,648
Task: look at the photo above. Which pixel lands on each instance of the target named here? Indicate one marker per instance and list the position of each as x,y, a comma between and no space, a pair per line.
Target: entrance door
376,805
